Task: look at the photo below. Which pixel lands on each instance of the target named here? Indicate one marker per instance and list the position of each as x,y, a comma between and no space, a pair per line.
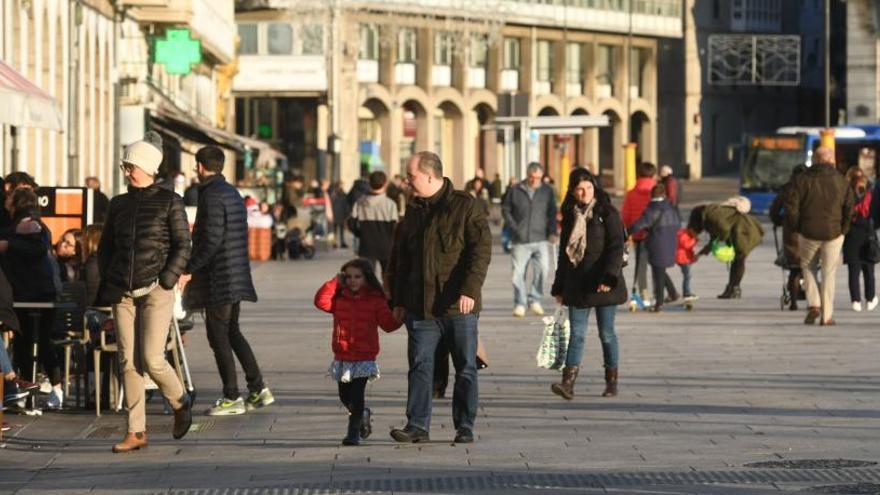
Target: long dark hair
578,175
366,267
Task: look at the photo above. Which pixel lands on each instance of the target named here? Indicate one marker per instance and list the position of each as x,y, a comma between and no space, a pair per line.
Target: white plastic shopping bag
554,342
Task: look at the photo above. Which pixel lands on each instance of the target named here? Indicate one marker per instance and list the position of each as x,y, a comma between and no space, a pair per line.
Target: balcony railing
509,80
441,75
405,73
543,87
368,71
476,77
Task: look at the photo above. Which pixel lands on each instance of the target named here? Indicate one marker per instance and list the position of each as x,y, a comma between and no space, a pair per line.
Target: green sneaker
259,399
226,407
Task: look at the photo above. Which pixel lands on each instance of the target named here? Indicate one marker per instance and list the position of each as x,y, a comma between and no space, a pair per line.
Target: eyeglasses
126,167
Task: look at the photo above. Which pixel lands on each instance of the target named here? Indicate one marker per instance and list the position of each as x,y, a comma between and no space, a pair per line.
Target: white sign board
281,73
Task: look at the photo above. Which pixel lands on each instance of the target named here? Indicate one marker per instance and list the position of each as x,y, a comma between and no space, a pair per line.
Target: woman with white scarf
589,275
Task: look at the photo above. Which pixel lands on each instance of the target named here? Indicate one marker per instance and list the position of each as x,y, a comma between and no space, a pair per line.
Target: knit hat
741,203
145,154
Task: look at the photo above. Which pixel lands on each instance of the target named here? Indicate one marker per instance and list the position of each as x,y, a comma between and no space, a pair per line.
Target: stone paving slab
702,392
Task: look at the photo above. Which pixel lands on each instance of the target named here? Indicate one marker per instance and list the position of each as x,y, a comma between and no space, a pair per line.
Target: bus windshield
770,160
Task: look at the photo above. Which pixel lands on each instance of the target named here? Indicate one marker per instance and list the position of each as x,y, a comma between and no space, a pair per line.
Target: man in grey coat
529,211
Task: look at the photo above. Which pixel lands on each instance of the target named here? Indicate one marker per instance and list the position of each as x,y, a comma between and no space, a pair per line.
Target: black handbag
872,250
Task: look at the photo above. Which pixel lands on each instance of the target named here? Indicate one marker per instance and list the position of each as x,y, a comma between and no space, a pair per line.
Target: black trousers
658,279
352,396
339,229
855,271
23,344
225,338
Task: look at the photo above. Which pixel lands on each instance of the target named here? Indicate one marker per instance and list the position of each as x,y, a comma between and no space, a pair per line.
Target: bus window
770,160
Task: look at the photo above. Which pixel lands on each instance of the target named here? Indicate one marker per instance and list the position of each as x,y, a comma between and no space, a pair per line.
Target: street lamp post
827,63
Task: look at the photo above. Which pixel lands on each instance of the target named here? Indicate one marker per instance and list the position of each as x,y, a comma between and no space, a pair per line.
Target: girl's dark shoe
367,424
353,436
566,388
610,383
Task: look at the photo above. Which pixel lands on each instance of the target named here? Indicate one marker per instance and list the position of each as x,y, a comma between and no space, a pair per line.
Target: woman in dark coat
856,242
29,269
589,275
729,222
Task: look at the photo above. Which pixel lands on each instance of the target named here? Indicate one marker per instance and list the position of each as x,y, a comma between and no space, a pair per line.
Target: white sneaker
857,306
519,311
536,308
872,304
55,399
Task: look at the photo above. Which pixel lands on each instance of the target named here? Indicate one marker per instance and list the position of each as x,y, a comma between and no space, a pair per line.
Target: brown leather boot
566,388
610,383
132,441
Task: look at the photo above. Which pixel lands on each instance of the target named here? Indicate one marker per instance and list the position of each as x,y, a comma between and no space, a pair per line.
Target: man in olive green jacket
819,208
439,260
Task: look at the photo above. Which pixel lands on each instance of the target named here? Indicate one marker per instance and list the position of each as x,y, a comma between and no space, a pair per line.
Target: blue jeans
686,280
5,363
578,320
460,335
521,256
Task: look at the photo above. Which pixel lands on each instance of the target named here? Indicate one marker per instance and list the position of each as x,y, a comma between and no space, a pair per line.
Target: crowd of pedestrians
423,251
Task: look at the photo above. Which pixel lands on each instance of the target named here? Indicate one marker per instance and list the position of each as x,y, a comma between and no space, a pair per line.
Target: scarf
577,242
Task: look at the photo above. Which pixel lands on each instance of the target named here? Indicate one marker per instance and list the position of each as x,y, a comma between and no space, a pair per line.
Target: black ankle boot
353,436
731,292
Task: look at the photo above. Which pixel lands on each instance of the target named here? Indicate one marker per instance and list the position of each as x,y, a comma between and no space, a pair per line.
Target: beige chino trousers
828,252
142,327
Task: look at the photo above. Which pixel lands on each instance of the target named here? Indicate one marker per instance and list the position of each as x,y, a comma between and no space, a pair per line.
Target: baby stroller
299,245
790,276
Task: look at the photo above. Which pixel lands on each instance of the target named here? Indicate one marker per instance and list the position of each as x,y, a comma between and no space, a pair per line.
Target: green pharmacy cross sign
178,51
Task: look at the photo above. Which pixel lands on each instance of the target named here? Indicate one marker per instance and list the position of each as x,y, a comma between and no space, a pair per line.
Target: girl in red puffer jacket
358,304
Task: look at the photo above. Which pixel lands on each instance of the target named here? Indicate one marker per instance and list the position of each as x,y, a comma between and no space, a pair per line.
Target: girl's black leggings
352,396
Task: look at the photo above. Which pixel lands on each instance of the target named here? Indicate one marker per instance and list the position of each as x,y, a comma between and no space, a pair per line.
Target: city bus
768,159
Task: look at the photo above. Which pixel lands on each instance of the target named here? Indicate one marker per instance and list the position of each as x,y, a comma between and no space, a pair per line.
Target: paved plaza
703,394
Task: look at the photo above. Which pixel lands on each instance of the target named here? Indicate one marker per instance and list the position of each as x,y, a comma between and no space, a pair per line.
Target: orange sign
778,143
63,208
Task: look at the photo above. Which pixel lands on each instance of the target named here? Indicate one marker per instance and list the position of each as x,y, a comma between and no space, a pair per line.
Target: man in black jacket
144,249
819,207
221,279
439,260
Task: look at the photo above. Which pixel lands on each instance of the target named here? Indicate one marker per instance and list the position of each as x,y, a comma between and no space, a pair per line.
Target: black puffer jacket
602,263
219,265
27,264
146,237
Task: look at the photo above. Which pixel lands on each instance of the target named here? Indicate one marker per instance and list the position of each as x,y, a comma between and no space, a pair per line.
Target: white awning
24,104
